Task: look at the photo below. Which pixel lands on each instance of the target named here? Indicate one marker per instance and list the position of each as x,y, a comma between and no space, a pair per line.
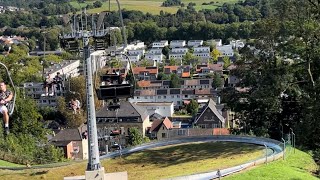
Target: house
157,84
160,128
181,71
178,52
140,52
195,43
202,52
197,83
134,46
175,95
160,44
145,73
74,142
225,50
164,109
114,126
214,42
210,117
155,54
134,57
177,43
127,116
202,70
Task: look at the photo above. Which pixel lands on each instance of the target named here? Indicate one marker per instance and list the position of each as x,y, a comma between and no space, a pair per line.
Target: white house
203,52
177,43
195,43
160,44
140,52
134,46
165,109
156,57
178,53
134,57
67,68
225,50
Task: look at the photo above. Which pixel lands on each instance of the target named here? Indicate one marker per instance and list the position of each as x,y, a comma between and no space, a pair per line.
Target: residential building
68,68
203,52
155,54
225,50
160,44
177,43
140,52
210,117
145,73
119,122
196,83
164,109
134,46
160,128
195,43
74,142
175,95
202,70
134,57
157,84
178,53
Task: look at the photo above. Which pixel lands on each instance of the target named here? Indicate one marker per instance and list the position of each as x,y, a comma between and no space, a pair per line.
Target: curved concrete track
275,151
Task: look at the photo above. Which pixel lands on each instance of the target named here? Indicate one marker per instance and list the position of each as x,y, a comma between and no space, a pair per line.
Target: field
151,6
157,163
298,166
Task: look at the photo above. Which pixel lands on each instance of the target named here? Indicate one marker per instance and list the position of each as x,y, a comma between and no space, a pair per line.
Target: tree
172,62
165,51
192,107
217,81
97,4
135,137
174,81
215,53
226,62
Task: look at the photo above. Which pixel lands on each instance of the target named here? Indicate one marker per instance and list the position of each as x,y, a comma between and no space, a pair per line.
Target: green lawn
298,166
151,6
158,163
8,164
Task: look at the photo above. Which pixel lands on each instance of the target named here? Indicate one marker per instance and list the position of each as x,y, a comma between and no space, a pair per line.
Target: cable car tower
77,41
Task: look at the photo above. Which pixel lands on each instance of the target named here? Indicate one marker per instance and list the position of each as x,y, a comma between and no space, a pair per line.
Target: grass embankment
8,164
158,163
151,6
298,166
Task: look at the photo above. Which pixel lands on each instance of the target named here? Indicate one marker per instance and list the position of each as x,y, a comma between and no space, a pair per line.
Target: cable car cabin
71,45
101,43
118,91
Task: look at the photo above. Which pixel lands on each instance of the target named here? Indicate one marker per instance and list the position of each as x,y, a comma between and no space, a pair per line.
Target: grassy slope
157,163
152,6
297,166
8,164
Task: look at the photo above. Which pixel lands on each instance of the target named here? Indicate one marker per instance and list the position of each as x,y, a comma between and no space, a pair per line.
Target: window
138,97
182,132
164,97
146,97
203,126
172,96
163,135
159,97
186,96
151,97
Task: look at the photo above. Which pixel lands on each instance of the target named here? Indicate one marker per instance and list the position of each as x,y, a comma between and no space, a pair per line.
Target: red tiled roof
137,70
202,91
216,67
191,82
143,83
185,74
157,124
172,68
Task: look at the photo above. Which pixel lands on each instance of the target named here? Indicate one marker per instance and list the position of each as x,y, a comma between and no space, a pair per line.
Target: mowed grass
298,166
8,164
158,163
151,6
